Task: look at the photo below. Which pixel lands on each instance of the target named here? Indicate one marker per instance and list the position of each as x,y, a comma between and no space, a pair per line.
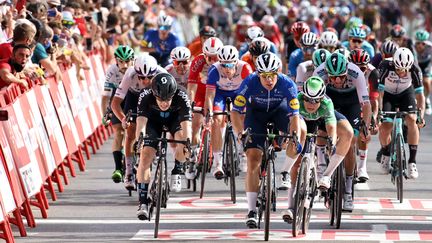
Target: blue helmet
357,32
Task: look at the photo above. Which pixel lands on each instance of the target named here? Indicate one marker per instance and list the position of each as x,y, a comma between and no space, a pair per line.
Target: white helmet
268,20
254,32
309,39
403,58
228,53
164,20
329,38
343,51
145,65
212,45
268,62
180,53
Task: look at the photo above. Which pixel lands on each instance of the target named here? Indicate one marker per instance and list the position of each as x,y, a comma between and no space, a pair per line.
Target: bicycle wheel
205,161
261,200
400,160
299,198
311,191
160,176
232,166
268,201
340,182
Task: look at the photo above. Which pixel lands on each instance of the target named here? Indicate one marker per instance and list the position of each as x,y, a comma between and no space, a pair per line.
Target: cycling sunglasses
358,41
228,65
403,70
145,77
184,62
420,43
333,78
268,75
67,22
211,58
312,101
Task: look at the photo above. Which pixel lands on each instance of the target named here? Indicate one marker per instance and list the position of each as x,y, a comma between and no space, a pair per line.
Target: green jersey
325,111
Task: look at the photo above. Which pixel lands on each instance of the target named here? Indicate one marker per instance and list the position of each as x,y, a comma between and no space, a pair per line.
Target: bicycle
129,115
398,159
306,185
159,187
267,188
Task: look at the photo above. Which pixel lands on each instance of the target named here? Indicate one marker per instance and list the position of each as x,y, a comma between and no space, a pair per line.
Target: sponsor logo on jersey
353,73
294,104
240,101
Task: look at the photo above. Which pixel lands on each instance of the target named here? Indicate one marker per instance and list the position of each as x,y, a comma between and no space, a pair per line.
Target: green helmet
422,35
336,64
319,56
314,88
353,22
124,53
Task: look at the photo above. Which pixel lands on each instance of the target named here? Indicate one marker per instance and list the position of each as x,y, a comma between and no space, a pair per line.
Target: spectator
43,49
10,68
22,34
196,46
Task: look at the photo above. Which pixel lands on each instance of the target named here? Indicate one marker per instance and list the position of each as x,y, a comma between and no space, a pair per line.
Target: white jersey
113,79
355,81
217,78
132,83
181,79
304,71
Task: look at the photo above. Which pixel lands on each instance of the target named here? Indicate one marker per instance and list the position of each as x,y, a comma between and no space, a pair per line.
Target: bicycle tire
268,204
300,192
399,163
311,191
232,166
160,175
261,200
205,161
340,193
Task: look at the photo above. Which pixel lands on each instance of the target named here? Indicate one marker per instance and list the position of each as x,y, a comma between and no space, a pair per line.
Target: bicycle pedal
361,180
287,219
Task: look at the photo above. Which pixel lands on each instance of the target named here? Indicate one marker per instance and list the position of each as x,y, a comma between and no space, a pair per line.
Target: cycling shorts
154,130
348,105
220,99
312,125
131,103
257,121
405,101
200,95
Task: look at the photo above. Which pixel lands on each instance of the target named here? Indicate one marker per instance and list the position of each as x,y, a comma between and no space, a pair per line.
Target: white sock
335,160
129,165
217,159
348,184
252,199
362,161
320,152
289,162
290,197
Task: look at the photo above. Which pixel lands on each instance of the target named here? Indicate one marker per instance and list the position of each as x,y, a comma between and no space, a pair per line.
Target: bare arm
141,123
116,108
210,94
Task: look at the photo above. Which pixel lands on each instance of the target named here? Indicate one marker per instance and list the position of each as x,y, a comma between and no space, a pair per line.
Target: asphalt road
94,209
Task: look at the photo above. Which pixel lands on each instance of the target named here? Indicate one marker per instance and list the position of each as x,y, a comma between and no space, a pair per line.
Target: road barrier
49,128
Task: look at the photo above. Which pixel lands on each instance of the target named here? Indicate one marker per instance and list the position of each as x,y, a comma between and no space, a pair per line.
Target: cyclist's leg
216,139
385,129
408,103
197,120
179,134
131,102
256,124
427,90
147,155
116,150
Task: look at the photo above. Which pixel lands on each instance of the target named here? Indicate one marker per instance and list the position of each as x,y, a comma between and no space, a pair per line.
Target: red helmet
299,28
359,57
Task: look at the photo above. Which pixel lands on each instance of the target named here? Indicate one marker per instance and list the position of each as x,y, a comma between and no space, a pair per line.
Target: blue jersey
254,96
245,48
365,46
295,59
163,47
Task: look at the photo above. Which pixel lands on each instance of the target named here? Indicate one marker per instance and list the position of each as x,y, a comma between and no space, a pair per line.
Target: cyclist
258,46
361,58
124,56
401,86
308,43
197,84
318,112
253,33
347,87
135,79
306,68
357,40
398,35
159,43
387,49
297,30
268,96
423,51
329,41
197,45
179,69
271,31
224,80
165,104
